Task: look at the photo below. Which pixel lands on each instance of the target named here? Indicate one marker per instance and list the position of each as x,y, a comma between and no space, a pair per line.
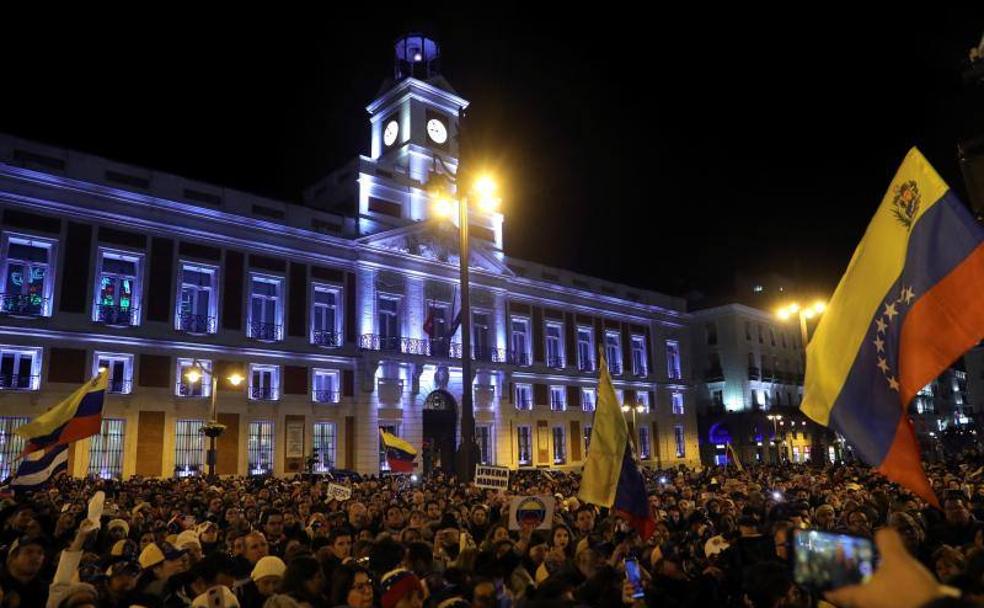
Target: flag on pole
611,477
399,453
38,468
908,305
78,416
733,456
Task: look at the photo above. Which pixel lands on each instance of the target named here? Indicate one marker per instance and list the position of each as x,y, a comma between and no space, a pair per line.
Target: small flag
39,468
908,305
76,417
733,456
611,477
399,454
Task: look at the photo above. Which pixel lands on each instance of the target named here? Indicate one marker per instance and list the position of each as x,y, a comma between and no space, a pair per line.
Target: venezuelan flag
77,417
611,477
908,305
399,453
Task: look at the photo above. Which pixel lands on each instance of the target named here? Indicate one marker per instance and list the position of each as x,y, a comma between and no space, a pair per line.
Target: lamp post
634,408
775,418
444,203
804,313
212,429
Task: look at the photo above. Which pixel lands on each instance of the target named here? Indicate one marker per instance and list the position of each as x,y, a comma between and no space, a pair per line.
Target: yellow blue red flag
76,417
611,477
908,305
399,453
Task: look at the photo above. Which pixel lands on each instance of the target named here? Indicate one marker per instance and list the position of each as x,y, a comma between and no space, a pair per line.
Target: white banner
338,492
492,478
537,511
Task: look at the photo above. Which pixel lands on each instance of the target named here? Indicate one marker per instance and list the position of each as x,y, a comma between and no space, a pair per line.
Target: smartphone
632,573
825,560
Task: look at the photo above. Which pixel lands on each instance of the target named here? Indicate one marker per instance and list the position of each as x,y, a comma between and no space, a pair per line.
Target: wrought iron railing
119,387
326,338
18,383
555,362
585,366
23,305
326,396
267,332
524,403
190,389
114,315
263,393
196,324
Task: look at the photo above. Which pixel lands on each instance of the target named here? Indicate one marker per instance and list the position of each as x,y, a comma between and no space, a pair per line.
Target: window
324,387
559,445
197,299
558,398
748,330
117,300
644,444
483,436
555,345
326,329
106,450
524,443
642,399
480,335
265,309
436,328
392,429
585,349
673,360
120,368
520,342
28,284
388,319
681,444
676,399
588,400
10,445
761,341
639,364
20,368
613,351
202,387
711,333
718,397
587,438
325,441
260,447
264,382
772,336
796,453
524,397
189,448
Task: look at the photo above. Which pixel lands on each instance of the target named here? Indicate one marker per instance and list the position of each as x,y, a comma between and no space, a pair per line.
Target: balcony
555,362
264,332
119,387
115,316
517,357
326,339
326,396
768,375
754,373
715,374
196,324
18,383
439,348
615,368
263,393
585,366
184,389
524,402
639,372
23,305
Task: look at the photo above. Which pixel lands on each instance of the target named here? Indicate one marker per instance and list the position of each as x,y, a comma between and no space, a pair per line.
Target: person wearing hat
218,596
21,575
263,582
401,588
188,541
159,562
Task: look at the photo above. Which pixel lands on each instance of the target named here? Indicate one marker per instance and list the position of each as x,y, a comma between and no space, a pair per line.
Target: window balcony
326,396
555,362
119,387
639,372
326,339
715,374
615,368
754,373
768,375
18,383
264,332
519,358
184,389
23,305
196,324
115,316
263,393
585,366
524,403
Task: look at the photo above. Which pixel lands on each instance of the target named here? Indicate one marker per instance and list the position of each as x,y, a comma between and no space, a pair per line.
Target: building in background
321,305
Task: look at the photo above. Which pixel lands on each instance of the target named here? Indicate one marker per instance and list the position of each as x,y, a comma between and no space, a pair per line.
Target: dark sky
660,150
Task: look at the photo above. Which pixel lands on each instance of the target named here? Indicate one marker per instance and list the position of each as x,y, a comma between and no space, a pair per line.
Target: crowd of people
723,538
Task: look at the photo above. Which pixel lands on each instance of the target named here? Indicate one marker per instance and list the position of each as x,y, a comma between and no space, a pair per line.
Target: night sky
662,151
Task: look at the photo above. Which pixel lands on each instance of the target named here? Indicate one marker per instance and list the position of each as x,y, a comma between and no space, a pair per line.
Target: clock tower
415,117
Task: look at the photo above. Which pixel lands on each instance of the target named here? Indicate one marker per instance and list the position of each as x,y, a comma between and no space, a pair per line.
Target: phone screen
632,573
824,560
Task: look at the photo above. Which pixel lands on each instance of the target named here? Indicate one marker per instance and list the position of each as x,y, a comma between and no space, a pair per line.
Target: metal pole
212,437
804,332
465,460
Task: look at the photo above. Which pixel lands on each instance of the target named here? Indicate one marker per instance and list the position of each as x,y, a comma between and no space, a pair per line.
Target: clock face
437,131
390,132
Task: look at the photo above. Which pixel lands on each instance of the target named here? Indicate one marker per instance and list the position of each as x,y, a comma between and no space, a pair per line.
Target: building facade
749,367
321,306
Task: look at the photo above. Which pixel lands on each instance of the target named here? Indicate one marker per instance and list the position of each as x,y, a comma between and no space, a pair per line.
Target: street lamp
634,409
804,313
484,193
775,418
212,429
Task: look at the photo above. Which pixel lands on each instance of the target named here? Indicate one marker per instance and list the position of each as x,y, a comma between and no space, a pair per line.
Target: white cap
268,566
